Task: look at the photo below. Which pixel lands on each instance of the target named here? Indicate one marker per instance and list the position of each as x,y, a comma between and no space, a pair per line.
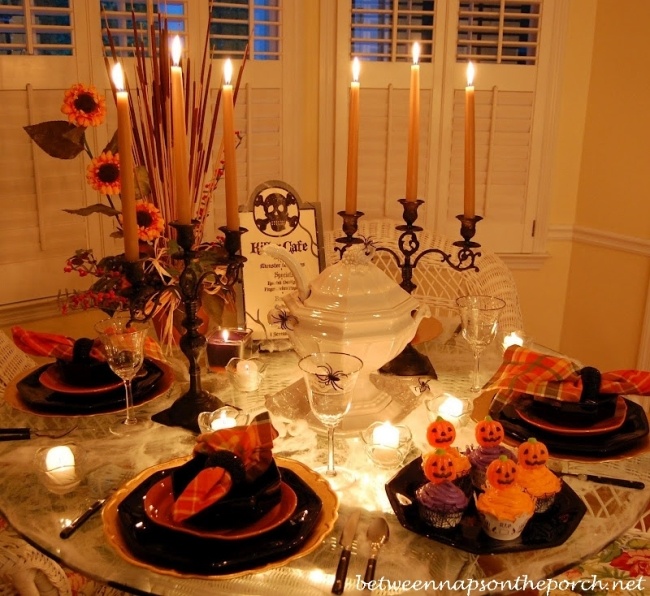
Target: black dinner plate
633,430
544,530
41,399
166,548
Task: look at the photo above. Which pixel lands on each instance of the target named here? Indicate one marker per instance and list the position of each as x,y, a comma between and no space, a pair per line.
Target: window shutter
28,27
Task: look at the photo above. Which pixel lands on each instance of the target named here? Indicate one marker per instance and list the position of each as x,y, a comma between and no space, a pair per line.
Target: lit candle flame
177,50
416,52
227,72
356,69
225,335
118,76
470,74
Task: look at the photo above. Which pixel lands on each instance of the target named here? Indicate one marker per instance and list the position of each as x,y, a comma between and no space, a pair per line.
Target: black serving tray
169,549
41,399
544,530
633,430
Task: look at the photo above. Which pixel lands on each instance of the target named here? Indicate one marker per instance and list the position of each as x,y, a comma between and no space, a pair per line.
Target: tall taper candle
469,144
179,139
232,201
353,142
127,176
414,128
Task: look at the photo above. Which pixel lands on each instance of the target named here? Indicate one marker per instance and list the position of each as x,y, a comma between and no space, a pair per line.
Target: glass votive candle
226,417
451,408
60,468
387,445
225,344
246,374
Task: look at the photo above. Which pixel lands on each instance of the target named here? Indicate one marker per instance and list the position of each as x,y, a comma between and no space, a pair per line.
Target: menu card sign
275,214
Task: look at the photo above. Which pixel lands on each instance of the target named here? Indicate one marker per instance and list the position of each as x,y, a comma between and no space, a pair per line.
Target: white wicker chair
438,285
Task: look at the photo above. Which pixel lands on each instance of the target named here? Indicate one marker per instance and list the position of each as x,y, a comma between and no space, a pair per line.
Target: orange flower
151,225
103,173
84,106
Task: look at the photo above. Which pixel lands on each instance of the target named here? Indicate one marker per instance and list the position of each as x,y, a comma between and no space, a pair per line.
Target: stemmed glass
330,379
123,345
479,316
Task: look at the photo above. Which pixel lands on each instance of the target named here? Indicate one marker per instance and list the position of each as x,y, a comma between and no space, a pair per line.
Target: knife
82,519
347,536
606,480
14,434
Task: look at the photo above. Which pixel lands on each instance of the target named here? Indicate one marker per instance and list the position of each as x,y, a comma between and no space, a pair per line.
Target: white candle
451,408
247,375
223,421
512,339
412,160
179,140
127,176
232,200
353,142
469,210
386,435
60,466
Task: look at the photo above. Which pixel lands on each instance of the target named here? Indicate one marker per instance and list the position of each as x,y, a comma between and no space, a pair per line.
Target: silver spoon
377,535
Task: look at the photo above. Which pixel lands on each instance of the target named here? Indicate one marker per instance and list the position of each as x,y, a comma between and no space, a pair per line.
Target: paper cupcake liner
440,519
503,529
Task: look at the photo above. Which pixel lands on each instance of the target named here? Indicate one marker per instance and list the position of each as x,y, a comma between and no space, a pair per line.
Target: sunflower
84,106
151,225
103,173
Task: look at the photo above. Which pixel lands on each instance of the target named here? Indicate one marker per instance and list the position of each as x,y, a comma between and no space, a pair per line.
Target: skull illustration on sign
276,209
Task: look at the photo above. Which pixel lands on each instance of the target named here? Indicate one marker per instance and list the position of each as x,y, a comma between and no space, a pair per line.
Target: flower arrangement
150,108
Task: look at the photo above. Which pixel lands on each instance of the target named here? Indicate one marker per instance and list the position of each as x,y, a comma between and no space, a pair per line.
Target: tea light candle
387,445
225,344
223,419
60,467
512,339
386,435
448,406
246,375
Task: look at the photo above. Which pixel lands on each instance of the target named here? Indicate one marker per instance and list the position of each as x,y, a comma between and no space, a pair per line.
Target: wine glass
123,344
479,316
330,379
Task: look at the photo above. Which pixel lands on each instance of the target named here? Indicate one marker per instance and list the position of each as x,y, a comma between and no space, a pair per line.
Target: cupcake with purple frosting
489,434
441,503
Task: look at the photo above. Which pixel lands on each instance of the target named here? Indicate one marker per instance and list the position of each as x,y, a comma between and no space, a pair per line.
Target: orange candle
469,144
179,140
353,142
127,176
414,128
232,201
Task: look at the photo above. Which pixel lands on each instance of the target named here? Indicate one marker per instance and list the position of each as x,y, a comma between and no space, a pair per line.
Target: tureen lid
355,284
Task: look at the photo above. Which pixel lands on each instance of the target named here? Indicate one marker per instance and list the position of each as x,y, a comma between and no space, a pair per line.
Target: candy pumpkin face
501,473
441,433
439,467
489,433
532,454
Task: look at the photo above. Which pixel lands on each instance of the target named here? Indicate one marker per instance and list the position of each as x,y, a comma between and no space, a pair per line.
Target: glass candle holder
387,445
246,374
451,408
225,344
60,468
515,338
226,417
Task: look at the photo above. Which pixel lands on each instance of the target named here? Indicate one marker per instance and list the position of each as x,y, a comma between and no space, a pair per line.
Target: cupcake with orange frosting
504,506
440,502
534,476
440,435
489,434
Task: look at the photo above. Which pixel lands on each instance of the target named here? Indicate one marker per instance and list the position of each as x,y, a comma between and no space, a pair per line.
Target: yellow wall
607,288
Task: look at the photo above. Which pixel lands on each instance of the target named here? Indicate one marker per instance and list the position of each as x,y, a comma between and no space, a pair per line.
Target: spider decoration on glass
331,378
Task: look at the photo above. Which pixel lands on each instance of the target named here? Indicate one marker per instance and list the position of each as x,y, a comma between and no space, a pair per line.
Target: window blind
36,27
235,23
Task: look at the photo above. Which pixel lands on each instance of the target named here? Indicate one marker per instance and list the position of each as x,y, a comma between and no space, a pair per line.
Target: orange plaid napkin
50,345
524,372
252,444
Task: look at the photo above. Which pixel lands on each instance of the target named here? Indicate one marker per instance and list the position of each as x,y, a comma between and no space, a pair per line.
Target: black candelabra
410,362
145,302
